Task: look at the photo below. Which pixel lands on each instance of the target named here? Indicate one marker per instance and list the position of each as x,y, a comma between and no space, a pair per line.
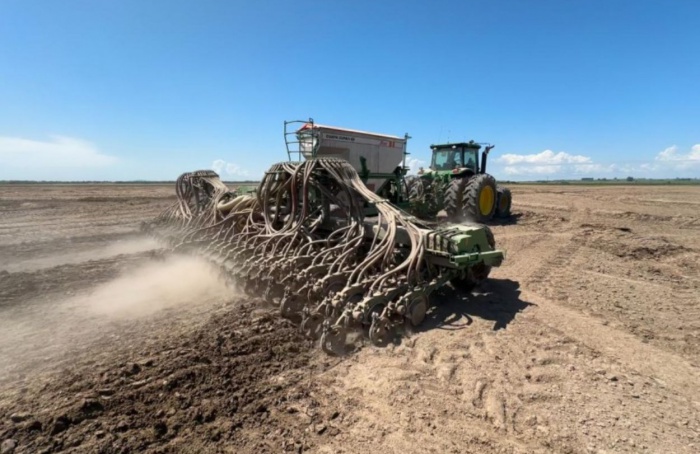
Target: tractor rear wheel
454,199
480,197
416,188
503,202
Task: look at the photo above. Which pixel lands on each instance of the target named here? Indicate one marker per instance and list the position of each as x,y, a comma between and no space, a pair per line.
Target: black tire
480,196
503,202
423,203
454,199
416,188
478,273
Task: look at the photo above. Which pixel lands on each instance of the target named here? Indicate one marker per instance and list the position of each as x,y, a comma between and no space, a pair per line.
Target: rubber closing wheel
333,341
291,306
417,308
378,333
312,325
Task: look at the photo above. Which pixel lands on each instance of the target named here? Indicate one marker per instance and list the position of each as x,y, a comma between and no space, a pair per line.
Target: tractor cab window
471,158
447,159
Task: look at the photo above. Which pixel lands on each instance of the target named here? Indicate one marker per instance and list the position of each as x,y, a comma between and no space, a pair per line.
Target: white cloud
532,170
547,157
668,163
414,164
548,162
680,161
58,153
228,169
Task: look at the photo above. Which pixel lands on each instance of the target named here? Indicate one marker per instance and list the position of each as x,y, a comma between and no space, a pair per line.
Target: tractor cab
456,158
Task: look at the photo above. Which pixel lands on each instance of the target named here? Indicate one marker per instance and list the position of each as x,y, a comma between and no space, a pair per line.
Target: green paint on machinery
325,239
457,182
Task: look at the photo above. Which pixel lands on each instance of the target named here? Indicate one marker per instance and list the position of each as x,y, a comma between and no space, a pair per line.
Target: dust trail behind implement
176,281
42,335
79,254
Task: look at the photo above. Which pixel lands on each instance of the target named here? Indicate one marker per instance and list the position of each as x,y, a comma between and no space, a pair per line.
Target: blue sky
149,89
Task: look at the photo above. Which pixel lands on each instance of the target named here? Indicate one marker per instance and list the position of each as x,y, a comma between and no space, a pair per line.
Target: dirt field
586,340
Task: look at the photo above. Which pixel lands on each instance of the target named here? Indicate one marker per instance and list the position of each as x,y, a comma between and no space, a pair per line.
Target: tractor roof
470,144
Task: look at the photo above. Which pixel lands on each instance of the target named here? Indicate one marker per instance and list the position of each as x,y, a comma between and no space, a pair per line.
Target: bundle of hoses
302,243
195,191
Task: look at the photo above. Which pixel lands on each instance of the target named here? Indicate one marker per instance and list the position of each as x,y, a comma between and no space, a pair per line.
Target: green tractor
458,183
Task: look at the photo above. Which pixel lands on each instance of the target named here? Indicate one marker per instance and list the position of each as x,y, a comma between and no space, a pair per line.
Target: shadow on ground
497,300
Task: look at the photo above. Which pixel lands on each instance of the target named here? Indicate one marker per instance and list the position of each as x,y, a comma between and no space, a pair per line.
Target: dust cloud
174,282
131,246
178,290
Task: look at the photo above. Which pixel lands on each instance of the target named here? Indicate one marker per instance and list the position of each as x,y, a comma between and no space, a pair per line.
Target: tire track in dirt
397,398
543,288
553,268
671,370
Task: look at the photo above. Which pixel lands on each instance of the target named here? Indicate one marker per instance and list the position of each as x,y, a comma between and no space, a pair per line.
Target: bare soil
586,340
